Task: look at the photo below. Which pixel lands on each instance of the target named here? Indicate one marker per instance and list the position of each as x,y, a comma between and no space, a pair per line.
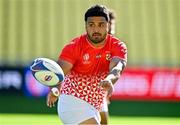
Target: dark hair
97,10
112,14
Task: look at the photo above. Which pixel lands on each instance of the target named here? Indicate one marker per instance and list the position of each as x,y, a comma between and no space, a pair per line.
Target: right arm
66,67
67,58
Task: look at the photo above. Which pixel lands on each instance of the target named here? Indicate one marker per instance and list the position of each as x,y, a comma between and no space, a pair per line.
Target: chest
94,57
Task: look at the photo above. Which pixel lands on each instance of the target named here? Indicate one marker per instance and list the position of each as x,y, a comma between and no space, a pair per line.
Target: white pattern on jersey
85,87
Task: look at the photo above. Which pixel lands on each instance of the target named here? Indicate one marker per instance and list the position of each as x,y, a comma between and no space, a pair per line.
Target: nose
96,29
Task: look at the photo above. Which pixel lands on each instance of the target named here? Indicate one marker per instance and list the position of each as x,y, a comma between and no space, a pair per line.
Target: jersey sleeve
69,53
119,50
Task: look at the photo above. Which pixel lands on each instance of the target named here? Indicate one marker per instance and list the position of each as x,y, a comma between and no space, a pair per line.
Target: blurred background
150,85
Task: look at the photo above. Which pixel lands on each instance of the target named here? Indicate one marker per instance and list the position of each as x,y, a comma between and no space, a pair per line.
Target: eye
102,25
91,25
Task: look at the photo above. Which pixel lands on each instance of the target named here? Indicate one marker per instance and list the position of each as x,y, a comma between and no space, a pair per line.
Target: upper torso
90,66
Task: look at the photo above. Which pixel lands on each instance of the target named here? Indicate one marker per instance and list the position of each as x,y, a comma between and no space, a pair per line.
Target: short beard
98,40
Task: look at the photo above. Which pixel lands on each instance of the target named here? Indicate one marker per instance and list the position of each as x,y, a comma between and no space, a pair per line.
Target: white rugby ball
47,71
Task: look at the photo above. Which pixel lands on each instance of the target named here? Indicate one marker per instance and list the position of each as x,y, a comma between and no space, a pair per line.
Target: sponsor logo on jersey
86,58
98,56
108,55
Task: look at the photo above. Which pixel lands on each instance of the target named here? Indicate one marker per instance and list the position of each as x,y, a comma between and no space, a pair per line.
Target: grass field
43,119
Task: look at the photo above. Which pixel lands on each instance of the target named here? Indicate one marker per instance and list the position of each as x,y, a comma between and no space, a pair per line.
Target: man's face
97,28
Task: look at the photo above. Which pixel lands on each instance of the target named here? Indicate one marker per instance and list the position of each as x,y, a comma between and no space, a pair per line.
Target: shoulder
114,41
75,44
78,39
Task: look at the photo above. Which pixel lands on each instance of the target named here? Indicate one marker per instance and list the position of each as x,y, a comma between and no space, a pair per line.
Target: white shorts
104,106
73,110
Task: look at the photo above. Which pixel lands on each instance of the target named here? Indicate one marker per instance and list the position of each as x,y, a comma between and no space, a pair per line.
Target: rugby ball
47,71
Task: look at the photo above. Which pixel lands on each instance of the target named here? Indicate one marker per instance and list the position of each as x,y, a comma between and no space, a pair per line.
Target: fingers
110,91
50,104
107,84
51,100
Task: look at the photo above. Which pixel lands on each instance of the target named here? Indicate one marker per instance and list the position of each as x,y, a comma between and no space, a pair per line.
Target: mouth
96,34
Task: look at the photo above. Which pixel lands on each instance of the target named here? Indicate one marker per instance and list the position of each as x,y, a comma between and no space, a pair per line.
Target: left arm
116,67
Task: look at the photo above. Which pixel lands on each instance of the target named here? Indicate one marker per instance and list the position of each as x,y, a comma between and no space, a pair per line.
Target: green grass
43,119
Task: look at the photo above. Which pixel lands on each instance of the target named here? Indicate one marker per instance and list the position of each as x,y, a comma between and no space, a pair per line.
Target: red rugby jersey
90,66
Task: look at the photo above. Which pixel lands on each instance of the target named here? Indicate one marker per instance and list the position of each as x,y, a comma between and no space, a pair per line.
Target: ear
85,26
108,26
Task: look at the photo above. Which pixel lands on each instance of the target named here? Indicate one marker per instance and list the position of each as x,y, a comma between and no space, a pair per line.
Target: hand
51,99
107,84
110,91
